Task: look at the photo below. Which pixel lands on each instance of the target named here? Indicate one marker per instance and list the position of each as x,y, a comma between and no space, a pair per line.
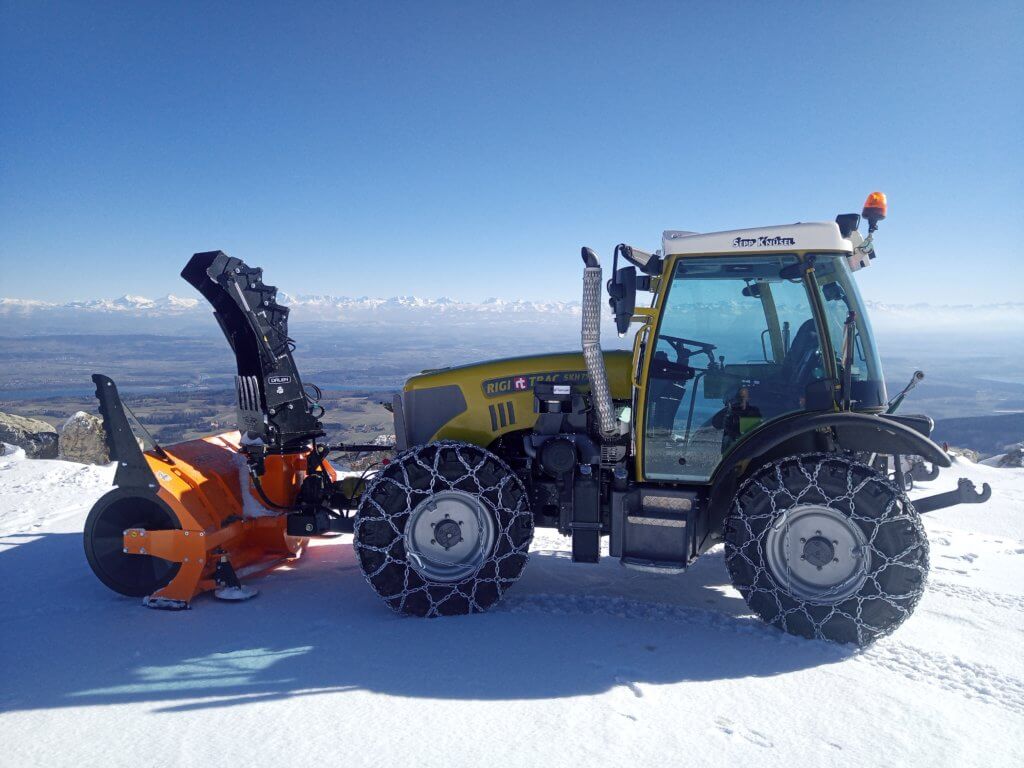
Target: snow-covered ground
583,665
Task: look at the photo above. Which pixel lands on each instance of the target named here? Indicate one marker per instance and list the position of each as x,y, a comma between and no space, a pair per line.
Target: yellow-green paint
474,424
649,321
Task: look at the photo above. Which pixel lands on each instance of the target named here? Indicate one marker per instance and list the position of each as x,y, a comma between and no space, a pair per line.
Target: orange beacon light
874,209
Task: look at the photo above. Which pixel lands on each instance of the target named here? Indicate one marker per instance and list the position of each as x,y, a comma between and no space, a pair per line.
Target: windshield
738,345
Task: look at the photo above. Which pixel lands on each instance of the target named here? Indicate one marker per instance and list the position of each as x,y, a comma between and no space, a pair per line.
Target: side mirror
622,293
648,263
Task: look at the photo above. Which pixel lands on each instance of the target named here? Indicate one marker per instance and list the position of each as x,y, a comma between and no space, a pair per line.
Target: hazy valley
180,384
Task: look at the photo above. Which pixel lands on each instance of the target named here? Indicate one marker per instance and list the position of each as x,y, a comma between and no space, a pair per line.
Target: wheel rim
817,553
449,536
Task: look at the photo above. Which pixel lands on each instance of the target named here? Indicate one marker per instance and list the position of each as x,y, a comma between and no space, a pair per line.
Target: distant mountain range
304,307
127,304
19,314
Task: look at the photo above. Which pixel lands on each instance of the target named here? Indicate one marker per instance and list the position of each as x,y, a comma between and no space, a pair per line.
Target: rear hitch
965,493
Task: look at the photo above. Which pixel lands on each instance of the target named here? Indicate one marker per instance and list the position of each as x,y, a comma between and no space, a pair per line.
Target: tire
824,547
453,490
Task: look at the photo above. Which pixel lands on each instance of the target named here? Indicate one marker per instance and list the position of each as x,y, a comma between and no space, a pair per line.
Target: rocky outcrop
365,461
37,438
967,453
1014,456
82,439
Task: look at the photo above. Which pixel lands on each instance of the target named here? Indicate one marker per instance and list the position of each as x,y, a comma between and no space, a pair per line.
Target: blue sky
469,149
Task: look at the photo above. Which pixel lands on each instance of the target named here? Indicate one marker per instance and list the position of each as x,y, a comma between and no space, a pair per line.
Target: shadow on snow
564,630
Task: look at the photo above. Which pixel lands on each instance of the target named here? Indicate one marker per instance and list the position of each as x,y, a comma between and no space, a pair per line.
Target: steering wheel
661,367
681,347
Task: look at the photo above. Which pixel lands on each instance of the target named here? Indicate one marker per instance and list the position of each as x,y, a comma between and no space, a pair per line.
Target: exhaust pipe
591,339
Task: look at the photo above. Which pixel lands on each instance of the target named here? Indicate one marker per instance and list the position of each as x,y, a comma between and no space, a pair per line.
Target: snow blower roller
201,515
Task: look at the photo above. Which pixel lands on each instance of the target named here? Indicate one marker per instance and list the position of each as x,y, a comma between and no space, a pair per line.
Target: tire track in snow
971,680
974,594
624,608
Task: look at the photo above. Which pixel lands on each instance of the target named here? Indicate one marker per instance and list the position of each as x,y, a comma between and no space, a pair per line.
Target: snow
594,665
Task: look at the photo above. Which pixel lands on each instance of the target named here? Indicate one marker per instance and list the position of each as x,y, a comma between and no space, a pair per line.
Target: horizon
309,298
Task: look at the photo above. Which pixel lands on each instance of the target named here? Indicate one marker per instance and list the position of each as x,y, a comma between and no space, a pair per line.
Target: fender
802,432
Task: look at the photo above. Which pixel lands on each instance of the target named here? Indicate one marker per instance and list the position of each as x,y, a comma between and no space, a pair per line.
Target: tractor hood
480,402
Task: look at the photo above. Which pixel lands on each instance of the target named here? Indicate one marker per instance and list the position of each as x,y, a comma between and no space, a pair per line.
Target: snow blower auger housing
751,412
202,514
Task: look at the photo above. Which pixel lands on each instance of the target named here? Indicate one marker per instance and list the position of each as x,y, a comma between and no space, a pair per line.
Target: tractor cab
735,340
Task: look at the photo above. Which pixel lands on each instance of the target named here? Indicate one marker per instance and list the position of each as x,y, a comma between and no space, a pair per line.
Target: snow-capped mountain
305,307
129,303
126,303
88,314
323,304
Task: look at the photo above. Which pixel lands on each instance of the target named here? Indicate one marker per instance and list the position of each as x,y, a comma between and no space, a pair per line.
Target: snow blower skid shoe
228,586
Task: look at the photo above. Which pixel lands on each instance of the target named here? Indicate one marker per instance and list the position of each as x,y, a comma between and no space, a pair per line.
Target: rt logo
519,382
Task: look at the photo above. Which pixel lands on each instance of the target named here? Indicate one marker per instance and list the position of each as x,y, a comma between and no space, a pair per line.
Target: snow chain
495,498
859,478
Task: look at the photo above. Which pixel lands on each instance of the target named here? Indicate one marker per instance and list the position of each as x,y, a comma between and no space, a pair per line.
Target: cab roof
812,236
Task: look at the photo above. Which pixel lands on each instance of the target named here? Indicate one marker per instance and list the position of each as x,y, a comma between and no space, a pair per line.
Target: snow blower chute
201,515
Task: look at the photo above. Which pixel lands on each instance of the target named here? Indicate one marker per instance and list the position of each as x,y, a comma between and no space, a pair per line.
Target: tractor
751,413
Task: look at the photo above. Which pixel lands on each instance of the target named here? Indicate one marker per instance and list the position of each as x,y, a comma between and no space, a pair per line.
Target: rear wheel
443,530
824,547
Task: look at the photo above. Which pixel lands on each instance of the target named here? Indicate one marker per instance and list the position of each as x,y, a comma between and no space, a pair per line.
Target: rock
82,439
968,453
1014,456
364,461
37,438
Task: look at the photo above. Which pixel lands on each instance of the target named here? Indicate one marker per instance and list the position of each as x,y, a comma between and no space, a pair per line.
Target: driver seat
801,360
781,392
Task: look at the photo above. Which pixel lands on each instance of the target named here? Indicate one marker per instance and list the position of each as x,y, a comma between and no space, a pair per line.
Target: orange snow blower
203,514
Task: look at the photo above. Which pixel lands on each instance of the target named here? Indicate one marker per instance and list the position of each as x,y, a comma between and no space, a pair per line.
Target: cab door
718,361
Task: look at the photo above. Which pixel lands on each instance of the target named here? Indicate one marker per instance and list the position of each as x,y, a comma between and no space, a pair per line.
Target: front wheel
443,530
828,548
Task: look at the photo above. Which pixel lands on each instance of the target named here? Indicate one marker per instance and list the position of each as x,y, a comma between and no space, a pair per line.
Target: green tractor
752,412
